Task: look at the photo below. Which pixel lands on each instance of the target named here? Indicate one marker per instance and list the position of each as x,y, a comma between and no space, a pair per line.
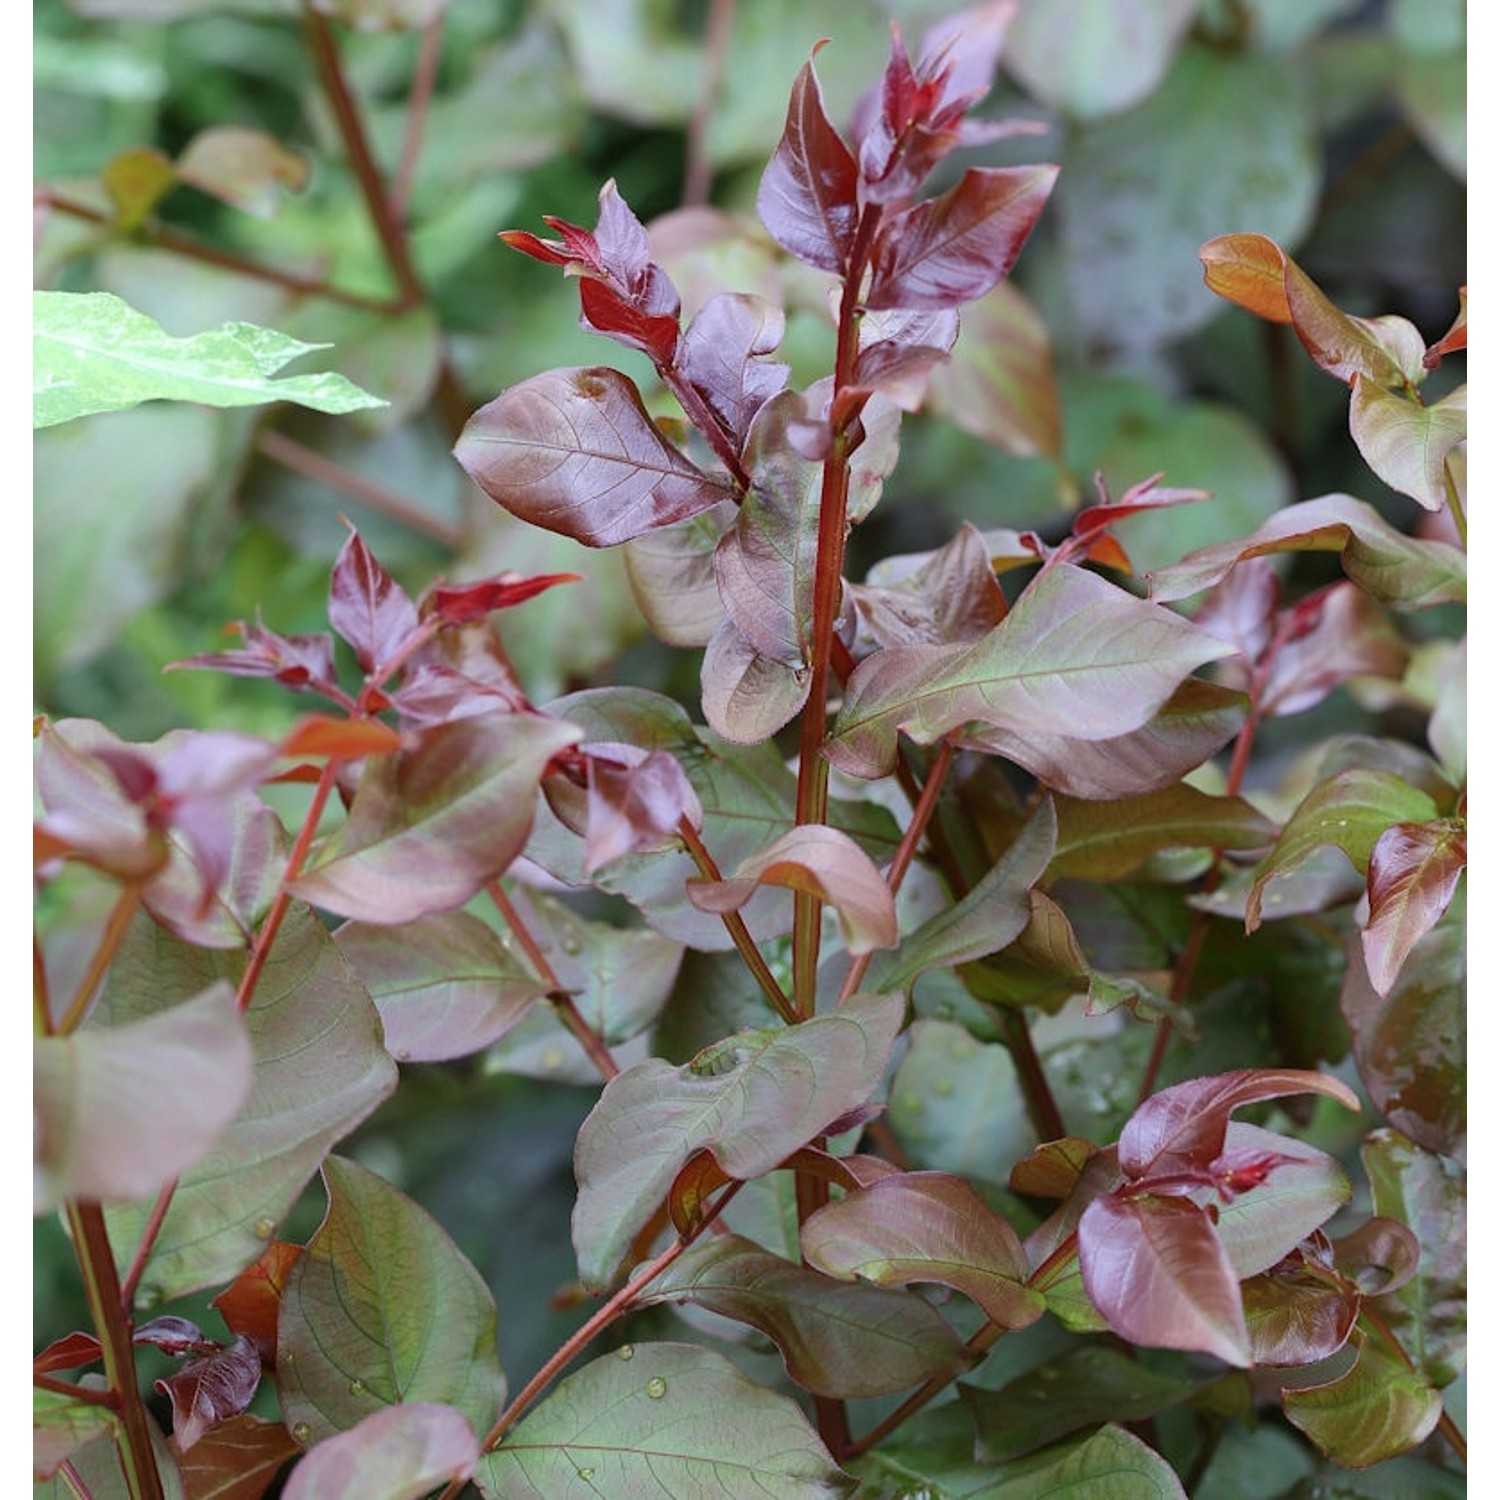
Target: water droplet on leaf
356,1387
626,1351
301,1432
656,1388
264,1228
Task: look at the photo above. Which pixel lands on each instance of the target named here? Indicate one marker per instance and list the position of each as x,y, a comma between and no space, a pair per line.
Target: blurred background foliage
1336,127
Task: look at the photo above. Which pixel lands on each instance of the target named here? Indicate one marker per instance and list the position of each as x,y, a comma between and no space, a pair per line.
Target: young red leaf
462,603
1158,1273
1414,870
303,663
321,737
251,1303
210,1390
953,249
722,356
1094,520
237,1460
808,198
617,317
928,1227
751,1100
820,861
70,1352
636,799
367,607
1184,1126
934,598
574,451
1457,336
1300,1311
174,1336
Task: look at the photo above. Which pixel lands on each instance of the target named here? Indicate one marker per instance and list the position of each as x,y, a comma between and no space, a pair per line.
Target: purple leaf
933,599
836,1339
1300,1311
1075,657
1158,1273
1335,634
459,674
1184,1126
899,350
174,1336
120,1112
444,985
636,799
953,249
747,697
574,451
429,826
1414,870
808,198
367,607
401,1453
210,1390
752,1101
671,573
821,862
929,1227
303,663
720,355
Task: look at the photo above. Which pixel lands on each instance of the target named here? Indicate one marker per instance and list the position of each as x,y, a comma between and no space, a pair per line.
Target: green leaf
60,1426
320,1069
1379,1409
1406,443
431,824
1407,574
445,986
1427,1193
926,1226
119,1112
837,1339
1076,656
758,1098
381,1309
662,1420
1349,811
92,352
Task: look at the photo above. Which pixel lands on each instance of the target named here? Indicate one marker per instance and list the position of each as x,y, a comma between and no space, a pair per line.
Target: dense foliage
806,830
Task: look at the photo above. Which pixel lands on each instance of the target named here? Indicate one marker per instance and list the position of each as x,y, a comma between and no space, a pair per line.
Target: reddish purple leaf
1184,1126
1241,610
1381,1256
950,250
237,1460
1414,870
636,799
808,197
1159,1274
606,311
303,663
747,697
460,674
1094,520
210,1390
1333,635
721,356
367,607
400,1453
175,1336
462,603
70,1352
899,350
575,451
1301,1310
933,598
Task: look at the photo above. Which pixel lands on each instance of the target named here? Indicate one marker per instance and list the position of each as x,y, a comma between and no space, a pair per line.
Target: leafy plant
909,985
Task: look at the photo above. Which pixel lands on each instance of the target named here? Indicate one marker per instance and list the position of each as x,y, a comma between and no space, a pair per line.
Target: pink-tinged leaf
445,986
430,825
636,800
1457,336
1350,810
316,1043
671,573
367,607
1184,1126
671,1419
70,1352
1110,840
247,169
174,1336
929,1227
816,861
757,1098
1414,870
401,1453
1000,385
1407,574
251,1303
382,1310
933,598
836,1339
1276,1192
808,198
950,250
460,674
1255,273
120,1112
1195,723
1158,1273
747,697
238,1459
1379,1257
1379,1409
1075,657
303,663
1405,443
210,1390
1094,520
722,357
900,350
1299,1314
1409,1043
462,603
574,451
1241,611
